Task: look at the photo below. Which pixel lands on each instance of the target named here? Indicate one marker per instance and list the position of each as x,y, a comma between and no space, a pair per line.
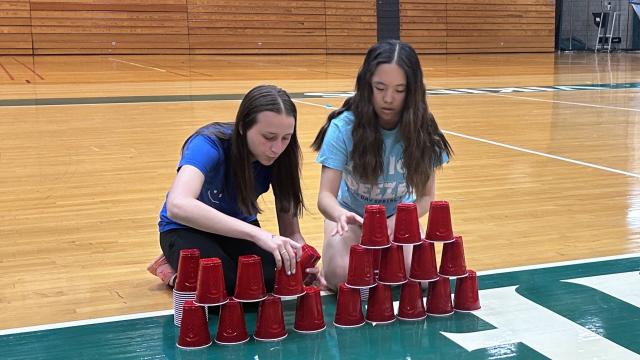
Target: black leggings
213,245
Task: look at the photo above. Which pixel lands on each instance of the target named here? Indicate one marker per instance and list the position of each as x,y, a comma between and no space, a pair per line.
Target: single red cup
452,262
423,262
380,305
439,297
187,279
374,227
211,287
309,259
411,304
289,285
407,228
309,315
439,226
270,324
232,329
466,297
194,332
392,270
360,271
250,279
348,307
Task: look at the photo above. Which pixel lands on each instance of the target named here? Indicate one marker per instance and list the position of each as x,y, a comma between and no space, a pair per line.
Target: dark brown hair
423,142
285,171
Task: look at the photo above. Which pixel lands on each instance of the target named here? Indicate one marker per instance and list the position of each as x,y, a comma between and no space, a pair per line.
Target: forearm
329,207
288,225
195,214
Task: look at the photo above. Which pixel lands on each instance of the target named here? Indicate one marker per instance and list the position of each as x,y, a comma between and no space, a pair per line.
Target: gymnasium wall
269,26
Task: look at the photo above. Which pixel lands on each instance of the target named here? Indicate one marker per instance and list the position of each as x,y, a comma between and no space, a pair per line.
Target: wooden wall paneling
15,28
351,26
423,25
478,26
110,27
256,27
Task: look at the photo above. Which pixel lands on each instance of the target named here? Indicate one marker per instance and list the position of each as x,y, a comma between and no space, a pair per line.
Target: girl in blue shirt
381,147
224,168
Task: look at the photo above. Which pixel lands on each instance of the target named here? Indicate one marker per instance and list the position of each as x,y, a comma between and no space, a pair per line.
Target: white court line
599,167
567,102
544,154
169,312
134,64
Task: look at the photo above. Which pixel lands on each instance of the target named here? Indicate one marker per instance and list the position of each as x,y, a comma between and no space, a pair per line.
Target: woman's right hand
285,251
344,220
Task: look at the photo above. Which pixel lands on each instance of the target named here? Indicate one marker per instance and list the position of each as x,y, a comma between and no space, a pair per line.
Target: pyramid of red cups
376,264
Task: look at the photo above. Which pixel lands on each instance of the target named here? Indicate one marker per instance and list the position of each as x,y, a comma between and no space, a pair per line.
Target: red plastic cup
194,332
407,228
250,279
392,270
380,305
466,297
374,227
187,280
423,262
270,324
452,262
360,272
309,259
439,226
376,254
211,287
411,304
309,315
289,285
232,328
439,297
348,308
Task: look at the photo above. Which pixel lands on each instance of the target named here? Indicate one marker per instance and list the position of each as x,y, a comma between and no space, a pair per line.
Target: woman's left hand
391,224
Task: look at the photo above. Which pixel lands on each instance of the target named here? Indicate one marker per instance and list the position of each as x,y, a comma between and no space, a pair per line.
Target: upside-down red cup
374,227
250,279
376,254
270,324
348,308
411,304
309,315
392,270
194,332
360,271
187,279
439,226
211,287
309,259
439,297
452,262
423,262
232,329
466,297
380,305
406,230
289,285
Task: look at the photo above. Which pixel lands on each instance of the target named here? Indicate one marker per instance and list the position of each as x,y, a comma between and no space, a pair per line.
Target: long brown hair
285,170
423,142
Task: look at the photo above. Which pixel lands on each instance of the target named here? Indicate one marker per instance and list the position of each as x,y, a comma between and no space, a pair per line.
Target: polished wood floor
537,177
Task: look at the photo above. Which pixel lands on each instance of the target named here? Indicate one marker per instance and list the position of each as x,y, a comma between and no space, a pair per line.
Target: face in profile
269,136
389,84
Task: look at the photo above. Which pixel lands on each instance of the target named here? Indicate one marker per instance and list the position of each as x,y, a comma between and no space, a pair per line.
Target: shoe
153,267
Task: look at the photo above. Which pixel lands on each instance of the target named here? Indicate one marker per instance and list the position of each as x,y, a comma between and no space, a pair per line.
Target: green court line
305,95
155,337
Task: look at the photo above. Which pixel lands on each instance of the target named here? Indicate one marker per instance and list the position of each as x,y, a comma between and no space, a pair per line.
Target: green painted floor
600,319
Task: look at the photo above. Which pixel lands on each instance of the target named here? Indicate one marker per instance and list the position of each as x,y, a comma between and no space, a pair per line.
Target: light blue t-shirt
353,195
